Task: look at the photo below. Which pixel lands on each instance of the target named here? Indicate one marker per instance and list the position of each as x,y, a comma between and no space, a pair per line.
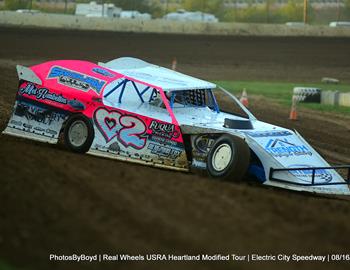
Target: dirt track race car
131,110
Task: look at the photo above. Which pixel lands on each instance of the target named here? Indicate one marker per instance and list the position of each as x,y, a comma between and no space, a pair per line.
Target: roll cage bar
194,97
140,92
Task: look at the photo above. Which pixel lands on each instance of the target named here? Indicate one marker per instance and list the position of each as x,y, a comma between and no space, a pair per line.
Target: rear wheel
78,133
228,158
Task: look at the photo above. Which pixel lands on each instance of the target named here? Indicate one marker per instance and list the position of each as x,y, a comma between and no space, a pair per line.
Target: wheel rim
222,157
78,133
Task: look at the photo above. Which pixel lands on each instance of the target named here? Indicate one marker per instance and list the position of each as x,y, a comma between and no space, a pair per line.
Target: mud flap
36,121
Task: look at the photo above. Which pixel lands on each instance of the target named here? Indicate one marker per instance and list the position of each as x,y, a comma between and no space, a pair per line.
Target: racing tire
228,158
78,133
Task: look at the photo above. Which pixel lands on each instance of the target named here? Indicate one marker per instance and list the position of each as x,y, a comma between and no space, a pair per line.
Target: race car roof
155,75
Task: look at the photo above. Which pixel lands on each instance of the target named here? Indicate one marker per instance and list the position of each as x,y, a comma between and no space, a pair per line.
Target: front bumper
313,175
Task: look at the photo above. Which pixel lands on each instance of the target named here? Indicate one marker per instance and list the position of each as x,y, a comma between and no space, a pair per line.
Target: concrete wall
335,98
330,97
344,99
9,18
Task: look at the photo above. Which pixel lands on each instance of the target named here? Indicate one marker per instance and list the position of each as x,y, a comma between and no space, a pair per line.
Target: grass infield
282,92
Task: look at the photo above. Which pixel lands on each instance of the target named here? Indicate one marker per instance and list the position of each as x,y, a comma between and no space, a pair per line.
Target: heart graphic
110,122
107,123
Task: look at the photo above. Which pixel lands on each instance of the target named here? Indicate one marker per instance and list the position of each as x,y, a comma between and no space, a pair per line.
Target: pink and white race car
131,110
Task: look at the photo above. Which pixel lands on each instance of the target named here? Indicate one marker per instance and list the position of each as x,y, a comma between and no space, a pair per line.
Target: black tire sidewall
87,144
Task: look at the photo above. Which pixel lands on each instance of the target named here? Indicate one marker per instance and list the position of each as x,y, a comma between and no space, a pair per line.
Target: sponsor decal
128,129
163,151
165,130
114,147
37,118
306,174
284,148
103,72
75,79
202,144
39,129
28,126
51,131
38,114
165,141
41,94
16,123
269,133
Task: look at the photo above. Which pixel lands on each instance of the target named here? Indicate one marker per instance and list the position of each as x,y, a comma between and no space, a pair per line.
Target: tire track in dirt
54,201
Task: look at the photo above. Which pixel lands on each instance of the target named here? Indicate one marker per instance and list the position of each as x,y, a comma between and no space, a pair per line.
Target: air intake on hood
237,124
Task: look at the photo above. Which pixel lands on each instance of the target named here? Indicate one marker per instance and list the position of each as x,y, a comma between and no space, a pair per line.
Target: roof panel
165,78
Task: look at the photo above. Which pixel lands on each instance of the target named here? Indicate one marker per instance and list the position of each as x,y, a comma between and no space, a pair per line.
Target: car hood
281,148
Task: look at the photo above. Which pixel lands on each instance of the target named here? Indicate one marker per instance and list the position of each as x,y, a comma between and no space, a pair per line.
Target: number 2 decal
128,129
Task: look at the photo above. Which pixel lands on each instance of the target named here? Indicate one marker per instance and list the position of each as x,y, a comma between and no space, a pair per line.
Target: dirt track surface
54,201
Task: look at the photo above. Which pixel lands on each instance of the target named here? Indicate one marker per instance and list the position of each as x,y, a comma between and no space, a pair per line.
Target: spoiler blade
27,74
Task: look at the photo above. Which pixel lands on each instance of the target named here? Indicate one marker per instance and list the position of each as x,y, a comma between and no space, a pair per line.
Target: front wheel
228,158
78,133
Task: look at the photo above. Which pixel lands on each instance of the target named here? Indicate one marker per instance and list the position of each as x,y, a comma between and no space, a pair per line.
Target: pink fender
52,74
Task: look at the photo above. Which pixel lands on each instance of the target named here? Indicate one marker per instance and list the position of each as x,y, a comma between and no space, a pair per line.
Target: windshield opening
227,104
216,100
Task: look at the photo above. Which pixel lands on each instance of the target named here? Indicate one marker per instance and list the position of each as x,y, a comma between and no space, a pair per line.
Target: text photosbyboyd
286,258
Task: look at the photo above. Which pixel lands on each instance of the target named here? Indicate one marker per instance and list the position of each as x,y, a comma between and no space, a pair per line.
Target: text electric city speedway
200,257
131,110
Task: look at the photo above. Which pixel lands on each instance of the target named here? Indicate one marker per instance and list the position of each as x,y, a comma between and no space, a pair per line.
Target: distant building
96,10
31,11
339,24
318,4
93,9
183,15
134,14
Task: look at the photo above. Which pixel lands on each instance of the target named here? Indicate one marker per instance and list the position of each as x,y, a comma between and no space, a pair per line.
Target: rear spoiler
313,169
27,74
